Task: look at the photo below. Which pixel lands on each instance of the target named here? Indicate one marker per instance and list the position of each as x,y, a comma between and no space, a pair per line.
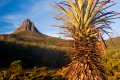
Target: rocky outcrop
27,26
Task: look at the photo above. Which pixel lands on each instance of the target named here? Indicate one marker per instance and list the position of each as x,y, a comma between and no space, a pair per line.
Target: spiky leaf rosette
85,21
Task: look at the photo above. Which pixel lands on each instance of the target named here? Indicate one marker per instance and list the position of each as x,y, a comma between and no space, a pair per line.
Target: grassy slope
40,49
57,45
35,40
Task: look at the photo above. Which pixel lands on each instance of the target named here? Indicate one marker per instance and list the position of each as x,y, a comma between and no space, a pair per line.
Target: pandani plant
85,21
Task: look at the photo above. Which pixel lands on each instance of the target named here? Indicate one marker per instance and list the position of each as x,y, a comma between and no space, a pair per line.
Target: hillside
113,57
26,43
113,48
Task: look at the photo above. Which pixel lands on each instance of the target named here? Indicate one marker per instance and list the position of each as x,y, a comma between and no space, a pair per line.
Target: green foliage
44,74
16,72
113,58
16,67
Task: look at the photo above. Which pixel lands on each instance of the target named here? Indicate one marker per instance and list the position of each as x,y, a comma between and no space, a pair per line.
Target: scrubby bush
45,74
15,71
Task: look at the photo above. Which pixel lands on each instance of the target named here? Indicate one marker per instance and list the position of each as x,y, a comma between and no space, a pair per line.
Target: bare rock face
27,26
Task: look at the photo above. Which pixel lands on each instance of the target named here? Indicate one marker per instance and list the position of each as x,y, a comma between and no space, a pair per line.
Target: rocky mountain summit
27,26
27,29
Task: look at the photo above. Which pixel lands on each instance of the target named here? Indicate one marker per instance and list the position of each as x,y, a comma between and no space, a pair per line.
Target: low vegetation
17,72
54,66
113,58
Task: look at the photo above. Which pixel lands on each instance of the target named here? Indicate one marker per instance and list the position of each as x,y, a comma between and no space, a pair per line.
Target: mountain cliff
27,26
28,29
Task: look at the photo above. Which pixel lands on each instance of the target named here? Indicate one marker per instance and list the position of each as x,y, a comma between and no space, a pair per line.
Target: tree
85,21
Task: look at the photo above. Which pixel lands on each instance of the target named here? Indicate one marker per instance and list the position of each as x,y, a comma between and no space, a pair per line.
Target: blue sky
14,12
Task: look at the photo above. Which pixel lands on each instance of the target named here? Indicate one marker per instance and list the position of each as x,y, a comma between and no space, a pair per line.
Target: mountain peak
27,26
27,21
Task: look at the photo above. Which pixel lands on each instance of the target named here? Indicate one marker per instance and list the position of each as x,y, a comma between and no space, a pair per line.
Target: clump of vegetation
17,72
45,74
113,61
3,75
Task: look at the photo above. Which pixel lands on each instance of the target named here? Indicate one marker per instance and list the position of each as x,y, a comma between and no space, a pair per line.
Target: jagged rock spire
27,26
